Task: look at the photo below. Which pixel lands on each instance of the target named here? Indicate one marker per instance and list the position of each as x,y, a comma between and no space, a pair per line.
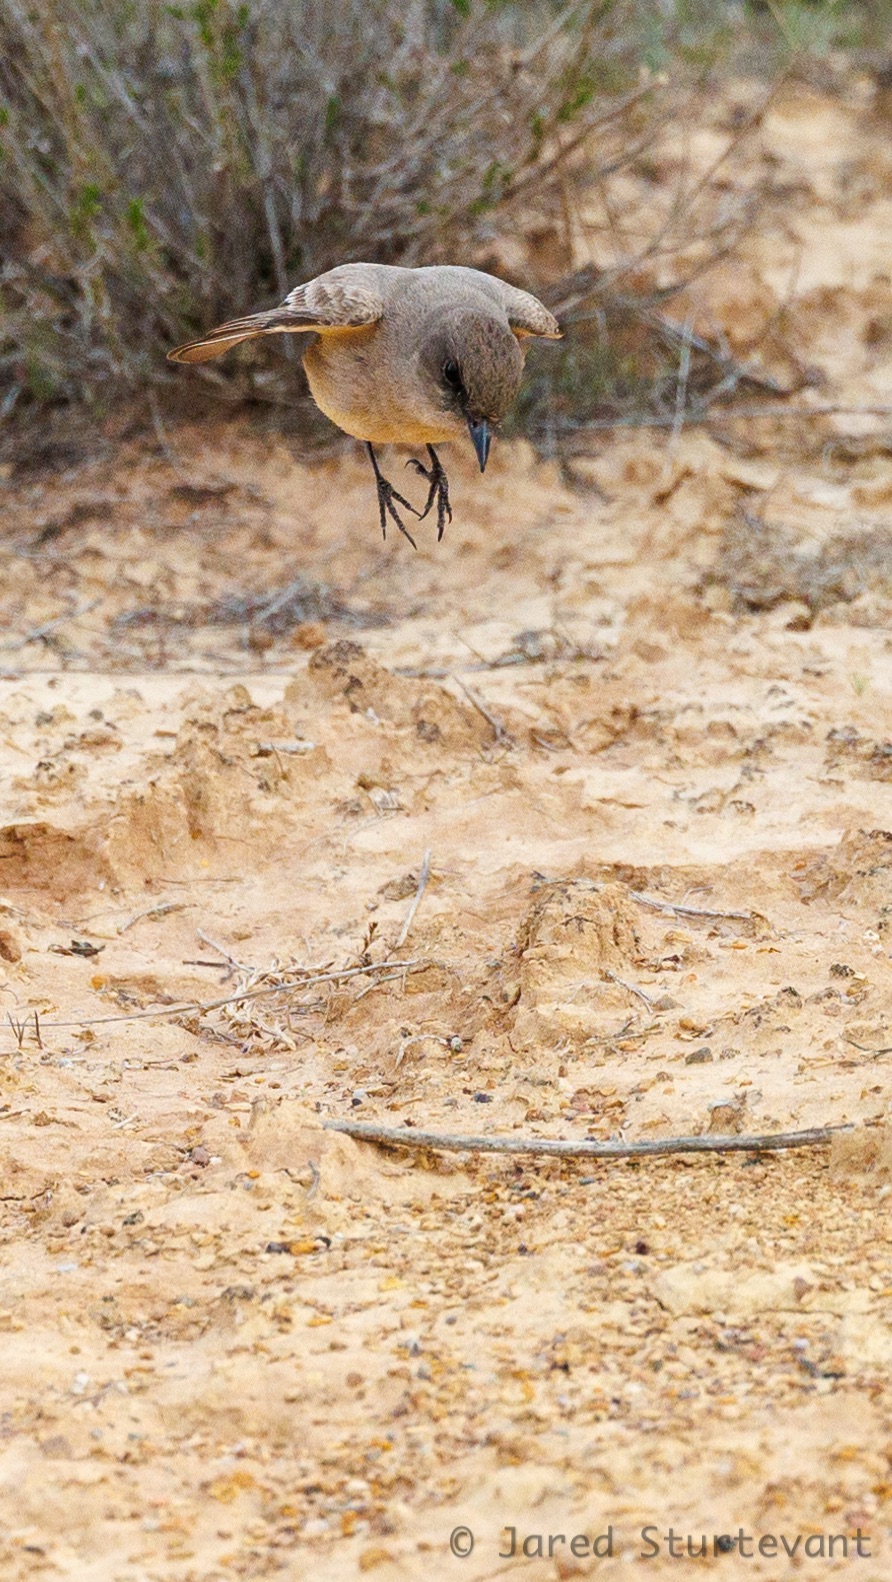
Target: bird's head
473,365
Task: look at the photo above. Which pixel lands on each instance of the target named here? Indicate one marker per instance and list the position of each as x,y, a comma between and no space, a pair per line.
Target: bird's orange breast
352,381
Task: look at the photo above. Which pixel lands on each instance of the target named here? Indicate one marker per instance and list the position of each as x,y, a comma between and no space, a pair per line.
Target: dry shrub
625,360
764,564
165,165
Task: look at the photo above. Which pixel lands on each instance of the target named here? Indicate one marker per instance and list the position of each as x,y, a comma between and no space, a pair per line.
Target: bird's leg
386,496
439,489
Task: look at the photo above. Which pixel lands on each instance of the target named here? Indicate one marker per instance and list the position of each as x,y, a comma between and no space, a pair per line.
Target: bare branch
656,905
416,901
408,1137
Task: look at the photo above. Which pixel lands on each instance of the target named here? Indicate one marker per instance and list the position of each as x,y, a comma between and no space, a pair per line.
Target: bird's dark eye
452,375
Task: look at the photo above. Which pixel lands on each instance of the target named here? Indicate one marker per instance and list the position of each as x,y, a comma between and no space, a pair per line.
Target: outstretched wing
527,315
343,299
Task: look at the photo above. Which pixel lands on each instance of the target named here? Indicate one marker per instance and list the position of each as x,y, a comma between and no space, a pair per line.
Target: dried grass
764,564
162,166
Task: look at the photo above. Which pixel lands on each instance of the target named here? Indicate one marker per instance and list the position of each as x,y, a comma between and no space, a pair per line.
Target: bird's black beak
478,428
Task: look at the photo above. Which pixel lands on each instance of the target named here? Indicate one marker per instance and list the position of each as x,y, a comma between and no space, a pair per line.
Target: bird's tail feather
277,322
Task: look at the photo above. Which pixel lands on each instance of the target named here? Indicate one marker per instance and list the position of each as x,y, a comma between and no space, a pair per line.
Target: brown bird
403,356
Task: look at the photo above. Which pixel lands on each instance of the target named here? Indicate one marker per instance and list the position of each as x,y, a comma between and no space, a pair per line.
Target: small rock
699,1057
10,945
375,1555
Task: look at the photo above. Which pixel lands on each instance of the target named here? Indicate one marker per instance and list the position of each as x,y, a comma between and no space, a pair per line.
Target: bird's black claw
387,495
439,489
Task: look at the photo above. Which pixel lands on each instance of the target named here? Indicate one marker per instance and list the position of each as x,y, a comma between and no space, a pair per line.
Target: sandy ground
639,715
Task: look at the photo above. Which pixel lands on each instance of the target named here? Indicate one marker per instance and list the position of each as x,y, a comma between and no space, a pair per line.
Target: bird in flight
403,356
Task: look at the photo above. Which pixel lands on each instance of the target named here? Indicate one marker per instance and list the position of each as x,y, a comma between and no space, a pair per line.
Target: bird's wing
527,315
344,299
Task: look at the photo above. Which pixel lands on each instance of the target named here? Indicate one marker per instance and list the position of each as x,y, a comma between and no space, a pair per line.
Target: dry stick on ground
153,912
234,966
626,1031
405,1137
393,977
416,900
201,1006
629,987
884,1049
688,911
500,732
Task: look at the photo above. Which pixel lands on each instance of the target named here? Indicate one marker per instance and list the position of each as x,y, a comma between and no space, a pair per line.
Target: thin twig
376,984
234,966
201,1007
626,1031
18,1029
884,1049
267,749
629,987
37,633
164,444
418,1038
416,900
681,386
502,662
152,912
501,734
408,1137
688,911
278,601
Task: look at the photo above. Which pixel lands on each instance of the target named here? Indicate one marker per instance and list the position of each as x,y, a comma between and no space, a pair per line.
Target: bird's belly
350,392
